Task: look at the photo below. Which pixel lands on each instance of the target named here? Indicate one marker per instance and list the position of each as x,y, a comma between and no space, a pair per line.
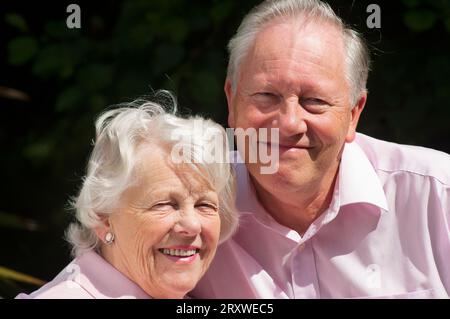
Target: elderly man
345,215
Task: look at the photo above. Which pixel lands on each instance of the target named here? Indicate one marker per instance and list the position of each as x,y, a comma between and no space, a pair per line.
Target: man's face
293,78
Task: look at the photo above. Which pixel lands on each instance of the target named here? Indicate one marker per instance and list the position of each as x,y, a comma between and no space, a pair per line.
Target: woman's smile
181,254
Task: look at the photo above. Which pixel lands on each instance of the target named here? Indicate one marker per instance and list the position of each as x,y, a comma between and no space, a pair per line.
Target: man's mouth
282,146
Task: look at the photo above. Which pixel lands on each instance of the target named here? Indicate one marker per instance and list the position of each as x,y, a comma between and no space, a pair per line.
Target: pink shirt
385,235
88,277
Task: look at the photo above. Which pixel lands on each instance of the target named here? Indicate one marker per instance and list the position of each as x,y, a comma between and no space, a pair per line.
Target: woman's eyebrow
154,193
208,194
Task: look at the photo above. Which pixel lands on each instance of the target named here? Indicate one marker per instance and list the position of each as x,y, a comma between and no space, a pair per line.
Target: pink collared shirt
88,277
385,235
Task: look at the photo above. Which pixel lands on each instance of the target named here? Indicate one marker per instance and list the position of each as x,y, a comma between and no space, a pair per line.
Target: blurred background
54,81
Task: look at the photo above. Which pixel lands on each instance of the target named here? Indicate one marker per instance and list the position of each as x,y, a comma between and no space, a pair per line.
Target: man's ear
229,93
355,113
103,228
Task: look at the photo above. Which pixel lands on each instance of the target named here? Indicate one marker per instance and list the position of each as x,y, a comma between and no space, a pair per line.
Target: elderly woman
148,224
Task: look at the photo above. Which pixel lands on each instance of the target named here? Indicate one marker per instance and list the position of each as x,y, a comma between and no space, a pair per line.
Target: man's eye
312,100
265,99
265,95
314,105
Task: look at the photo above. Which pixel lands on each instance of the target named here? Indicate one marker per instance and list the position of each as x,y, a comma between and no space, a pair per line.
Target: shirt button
301,247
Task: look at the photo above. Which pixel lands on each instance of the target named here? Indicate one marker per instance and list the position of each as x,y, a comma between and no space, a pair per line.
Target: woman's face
166,228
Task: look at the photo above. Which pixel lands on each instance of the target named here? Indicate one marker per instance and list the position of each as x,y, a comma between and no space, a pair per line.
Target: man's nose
291,118
188,223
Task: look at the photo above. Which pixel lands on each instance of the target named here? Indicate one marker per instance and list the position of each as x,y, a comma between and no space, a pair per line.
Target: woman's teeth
179,252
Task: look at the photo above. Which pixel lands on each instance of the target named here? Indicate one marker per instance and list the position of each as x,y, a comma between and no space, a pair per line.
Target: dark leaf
17,21
420,20
21,50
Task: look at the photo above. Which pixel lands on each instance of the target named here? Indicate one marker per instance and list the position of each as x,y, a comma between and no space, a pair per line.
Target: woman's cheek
212,230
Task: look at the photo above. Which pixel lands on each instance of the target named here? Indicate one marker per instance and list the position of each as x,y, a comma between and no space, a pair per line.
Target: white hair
357,53
120,134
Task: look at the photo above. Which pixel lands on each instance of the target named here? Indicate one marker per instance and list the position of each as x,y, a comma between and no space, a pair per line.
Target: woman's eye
164,206
209,207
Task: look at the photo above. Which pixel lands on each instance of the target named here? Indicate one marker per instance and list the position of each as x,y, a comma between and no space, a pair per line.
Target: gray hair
120,134
357,52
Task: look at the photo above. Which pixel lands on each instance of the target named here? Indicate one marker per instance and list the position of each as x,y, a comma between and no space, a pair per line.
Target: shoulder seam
415,173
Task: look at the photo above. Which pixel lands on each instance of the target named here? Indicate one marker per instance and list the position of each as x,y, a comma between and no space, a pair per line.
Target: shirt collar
100,279
358,181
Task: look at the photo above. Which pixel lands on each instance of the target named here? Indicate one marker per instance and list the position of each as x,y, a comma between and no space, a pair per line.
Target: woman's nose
188,223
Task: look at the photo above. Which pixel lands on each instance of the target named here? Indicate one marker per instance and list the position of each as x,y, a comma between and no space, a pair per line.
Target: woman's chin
178,292
178,286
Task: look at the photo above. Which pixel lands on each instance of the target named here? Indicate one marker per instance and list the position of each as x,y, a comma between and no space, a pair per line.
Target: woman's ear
102,229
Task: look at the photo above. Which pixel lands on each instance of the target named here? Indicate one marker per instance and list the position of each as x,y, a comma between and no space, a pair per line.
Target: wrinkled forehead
313,42
154,164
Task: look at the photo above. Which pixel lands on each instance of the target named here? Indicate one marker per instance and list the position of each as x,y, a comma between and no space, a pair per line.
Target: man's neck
298,210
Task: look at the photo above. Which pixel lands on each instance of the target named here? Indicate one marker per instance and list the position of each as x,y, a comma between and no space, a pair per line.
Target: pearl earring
109,238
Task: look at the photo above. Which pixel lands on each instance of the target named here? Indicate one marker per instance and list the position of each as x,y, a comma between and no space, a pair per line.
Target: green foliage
21,50
411,3
420,20
17,21
422,15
